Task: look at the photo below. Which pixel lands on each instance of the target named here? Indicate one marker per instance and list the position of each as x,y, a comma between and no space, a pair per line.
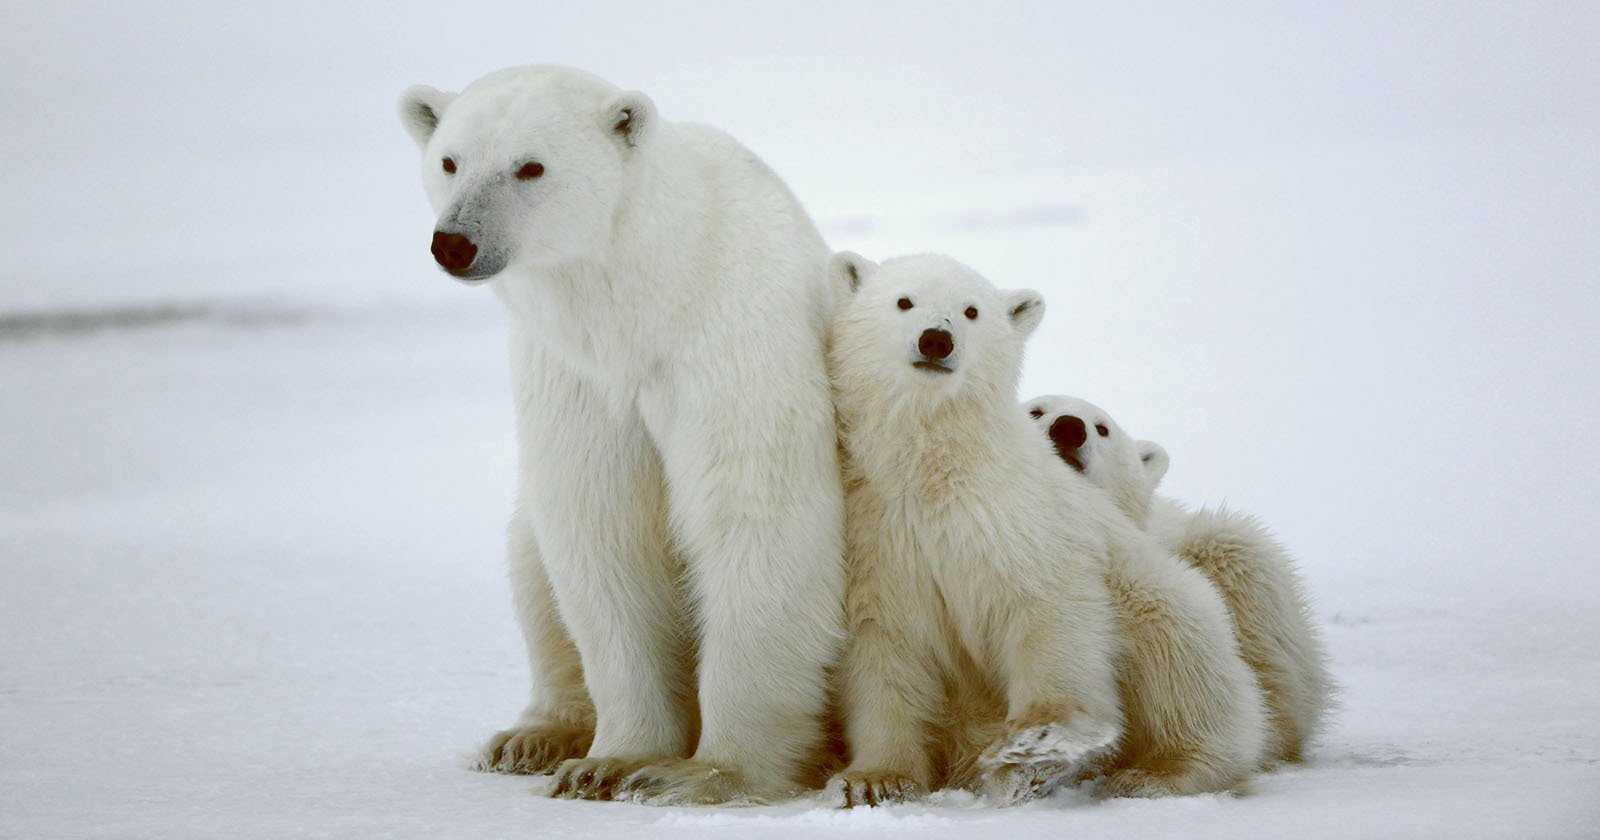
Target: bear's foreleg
1059,668
757,512
890,692
595,489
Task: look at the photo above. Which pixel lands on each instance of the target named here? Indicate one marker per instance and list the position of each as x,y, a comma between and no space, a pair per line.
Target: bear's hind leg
1194,707
558,723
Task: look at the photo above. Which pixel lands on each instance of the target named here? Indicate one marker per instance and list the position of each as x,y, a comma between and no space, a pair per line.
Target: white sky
1340,259
189,134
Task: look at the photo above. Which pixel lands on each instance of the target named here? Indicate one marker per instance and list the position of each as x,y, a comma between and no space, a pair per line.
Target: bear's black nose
1069,433
453,251
935,344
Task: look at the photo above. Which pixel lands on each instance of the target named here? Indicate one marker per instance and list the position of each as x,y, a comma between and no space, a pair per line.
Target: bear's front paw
1010,784
1051,743
532,750
871,788
594,778
692,782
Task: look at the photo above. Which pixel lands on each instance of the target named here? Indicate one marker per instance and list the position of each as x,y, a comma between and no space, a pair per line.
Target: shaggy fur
675,553
1007,625
1254,573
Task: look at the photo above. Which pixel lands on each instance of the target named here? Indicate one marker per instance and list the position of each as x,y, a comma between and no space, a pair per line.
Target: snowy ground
255,453
252,588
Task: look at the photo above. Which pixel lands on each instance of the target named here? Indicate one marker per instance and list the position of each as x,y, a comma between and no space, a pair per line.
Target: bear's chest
959,538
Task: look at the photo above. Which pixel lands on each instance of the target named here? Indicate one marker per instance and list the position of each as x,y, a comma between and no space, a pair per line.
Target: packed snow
256,454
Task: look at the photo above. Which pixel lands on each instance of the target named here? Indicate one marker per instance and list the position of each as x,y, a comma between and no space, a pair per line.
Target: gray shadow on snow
22,326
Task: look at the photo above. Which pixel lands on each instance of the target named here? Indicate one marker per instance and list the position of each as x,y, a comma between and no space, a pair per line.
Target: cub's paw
1177,778
594,778
1134,782
1051,743
692,782
532,750
1010,784
870,788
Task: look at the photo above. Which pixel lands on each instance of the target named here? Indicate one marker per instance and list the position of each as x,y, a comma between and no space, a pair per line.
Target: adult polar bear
680,503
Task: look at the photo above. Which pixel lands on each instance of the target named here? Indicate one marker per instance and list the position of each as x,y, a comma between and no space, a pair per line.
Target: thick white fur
678,531
1255,574
1003,615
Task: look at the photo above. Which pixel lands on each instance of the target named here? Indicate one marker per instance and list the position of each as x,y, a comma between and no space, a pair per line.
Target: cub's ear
1153,458
1025,308
631,116
847,271
420,109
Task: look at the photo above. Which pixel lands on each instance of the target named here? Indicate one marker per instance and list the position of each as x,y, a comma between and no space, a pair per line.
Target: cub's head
525,165
926,328
1092,443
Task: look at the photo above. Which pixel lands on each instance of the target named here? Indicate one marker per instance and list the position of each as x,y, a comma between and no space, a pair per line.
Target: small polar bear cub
1255,574
1091,443
1007,625
963,584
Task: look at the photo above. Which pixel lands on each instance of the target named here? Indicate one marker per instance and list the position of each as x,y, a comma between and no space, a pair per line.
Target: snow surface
255,453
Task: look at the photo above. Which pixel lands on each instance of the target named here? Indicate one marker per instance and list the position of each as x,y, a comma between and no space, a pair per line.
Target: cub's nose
936,344
453,251
1069,433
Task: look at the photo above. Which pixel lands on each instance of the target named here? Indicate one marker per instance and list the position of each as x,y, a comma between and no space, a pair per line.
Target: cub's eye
972,313
530,171
1101,428
905,303
1036,413
449,165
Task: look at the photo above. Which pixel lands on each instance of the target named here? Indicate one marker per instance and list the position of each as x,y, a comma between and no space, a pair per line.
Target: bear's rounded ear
1025,308
631,116
847,270
1153,458
420,109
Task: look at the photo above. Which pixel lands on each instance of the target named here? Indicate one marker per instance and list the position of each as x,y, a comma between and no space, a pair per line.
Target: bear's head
926,328
525,166
1092,443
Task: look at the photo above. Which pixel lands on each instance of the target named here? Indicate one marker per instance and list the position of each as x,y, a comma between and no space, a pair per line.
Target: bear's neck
663,237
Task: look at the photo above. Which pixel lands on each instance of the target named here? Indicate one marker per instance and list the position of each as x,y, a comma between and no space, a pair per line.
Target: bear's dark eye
1036,413
530,171
1101,428
449,165
972,313
905,303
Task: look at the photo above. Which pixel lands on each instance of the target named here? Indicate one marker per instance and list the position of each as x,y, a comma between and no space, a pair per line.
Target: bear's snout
936,344
1069,434
453,251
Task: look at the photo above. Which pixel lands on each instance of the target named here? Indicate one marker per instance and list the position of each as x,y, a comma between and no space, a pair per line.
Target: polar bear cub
1007,625
1255,574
